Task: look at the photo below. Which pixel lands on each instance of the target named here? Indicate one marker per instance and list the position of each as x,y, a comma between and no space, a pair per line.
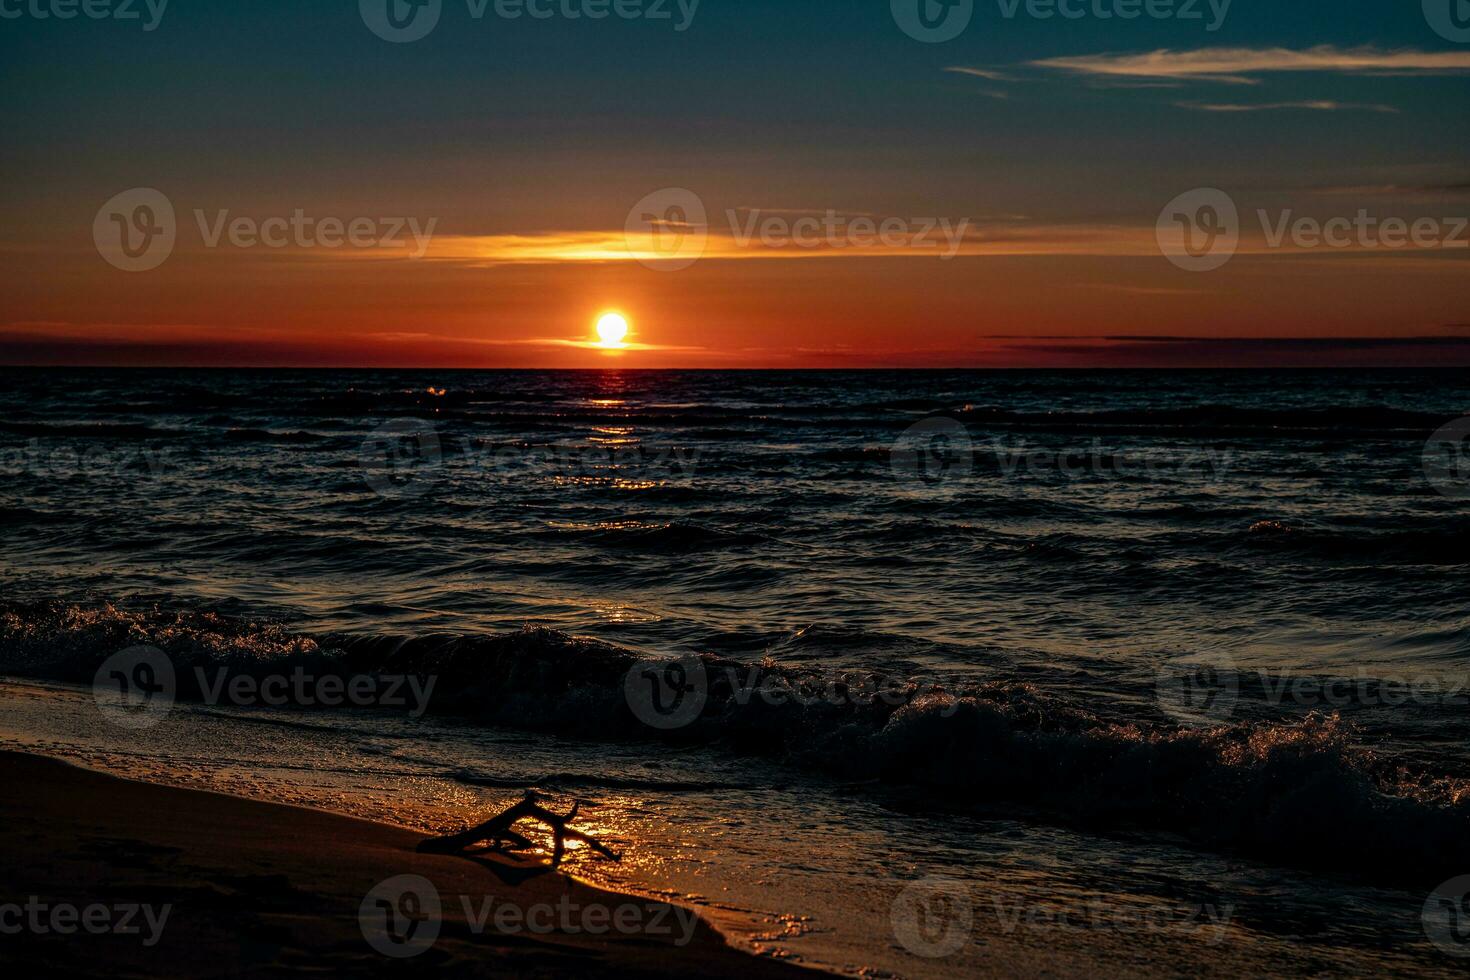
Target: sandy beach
164,882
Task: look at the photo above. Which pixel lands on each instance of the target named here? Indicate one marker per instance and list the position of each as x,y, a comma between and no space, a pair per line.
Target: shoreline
100,865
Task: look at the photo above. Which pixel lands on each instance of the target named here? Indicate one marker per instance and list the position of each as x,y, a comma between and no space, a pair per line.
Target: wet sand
260,889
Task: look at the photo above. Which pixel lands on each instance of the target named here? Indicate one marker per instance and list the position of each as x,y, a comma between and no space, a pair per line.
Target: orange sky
467,304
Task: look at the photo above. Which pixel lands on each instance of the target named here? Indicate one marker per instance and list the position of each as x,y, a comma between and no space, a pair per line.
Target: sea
910,673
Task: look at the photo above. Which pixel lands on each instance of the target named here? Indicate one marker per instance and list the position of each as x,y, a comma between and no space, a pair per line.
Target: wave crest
1301,793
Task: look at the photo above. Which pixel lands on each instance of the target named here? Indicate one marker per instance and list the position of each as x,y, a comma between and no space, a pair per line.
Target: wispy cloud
989,74
1418,192
1112,287
722,244
554,342
1237,65
1216,352
977,240
1109,84
803,212
1319,105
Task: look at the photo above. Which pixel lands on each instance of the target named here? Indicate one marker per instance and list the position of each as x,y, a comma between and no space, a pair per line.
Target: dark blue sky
770,98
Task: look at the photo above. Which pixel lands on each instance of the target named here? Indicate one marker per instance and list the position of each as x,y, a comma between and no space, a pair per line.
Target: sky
761,183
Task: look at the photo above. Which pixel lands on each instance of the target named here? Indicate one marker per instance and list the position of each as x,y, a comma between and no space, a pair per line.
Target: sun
613,329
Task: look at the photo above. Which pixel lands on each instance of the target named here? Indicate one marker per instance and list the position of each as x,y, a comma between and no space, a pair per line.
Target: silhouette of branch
497,831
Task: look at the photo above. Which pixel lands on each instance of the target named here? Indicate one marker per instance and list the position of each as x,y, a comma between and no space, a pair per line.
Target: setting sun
612,329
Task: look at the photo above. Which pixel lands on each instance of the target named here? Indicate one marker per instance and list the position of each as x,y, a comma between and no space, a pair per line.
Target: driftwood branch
498,833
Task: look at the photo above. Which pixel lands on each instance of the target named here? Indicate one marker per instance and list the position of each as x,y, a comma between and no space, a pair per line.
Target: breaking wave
1302,792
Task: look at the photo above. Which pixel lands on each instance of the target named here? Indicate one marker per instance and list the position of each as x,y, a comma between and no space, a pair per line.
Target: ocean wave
1300,792
88,430
1403,547
582,781
292,437
21,516
668,538
1224,420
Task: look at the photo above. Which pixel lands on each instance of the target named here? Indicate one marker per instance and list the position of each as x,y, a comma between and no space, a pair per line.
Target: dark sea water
1157,640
